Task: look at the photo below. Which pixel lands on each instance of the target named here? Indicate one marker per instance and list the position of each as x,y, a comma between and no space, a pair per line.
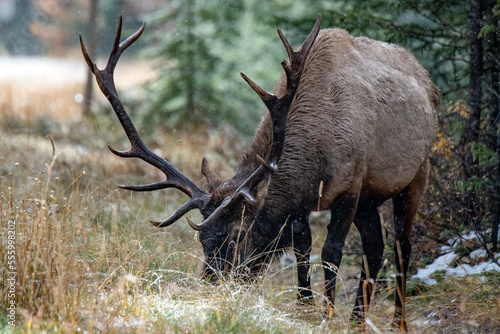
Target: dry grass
17,99
87,260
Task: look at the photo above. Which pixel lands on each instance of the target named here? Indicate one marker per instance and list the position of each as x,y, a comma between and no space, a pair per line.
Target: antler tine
269,99
174,178
242,192
309,41
153,186
288,47
117,51
194,226
279,107
297,58
118,47
215,215
192,204
89,62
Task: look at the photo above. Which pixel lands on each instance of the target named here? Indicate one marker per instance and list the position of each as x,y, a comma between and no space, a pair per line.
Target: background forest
86,260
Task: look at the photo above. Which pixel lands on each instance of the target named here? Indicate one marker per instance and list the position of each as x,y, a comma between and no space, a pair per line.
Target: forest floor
87,260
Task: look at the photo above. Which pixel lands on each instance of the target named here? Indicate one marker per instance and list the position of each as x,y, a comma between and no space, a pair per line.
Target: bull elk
350,124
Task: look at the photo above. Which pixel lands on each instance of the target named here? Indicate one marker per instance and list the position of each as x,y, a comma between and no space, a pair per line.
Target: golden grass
87,260
16,99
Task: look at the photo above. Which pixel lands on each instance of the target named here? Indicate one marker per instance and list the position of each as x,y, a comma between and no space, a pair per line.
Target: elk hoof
328,311
400,325
305,301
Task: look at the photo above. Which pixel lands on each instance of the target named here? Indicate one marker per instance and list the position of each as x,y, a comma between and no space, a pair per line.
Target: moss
415,287
489,288
463,250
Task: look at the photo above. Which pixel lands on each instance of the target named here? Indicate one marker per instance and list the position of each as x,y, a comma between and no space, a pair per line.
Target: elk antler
174,178
278,108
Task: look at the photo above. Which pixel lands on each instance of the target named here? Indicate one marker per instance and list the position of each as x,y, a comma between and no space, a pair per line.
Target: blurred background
195,49
180,83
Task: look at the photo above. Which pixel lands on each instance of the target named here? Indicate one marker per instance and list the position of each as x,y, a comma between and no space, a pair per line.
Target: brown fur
362,123
363,114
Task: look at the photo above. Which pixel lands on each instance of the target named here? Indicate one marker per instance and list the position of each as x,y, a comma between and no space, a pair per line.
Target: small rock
478,255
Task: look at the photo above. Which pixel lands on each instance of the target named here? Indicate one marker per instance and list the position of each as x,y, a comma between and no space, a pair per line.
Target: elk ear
213,180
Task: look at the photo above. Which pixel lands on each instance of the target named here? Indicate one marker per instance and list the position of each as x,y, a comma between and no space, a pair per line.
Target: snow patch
478,255
443,263
51,70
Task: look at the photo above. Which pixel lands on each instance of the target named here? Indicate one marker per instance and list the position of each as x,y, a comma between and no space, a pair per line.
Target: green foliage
187,84
204,45
432,30
463,250
489,288
439,276
484,155
415,287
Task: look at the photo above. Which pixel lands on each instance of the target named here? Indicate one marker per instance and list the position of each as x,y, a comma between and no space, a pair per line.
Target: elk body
350,124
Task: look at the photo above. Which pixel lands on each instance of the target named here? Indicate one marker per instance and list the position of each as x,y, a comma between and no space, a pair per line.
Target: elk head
230,207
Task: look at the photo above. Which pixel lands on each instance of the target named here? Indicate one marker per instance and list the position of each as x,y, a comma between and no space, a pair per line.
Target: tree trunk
476,70
495,219
92,46
493,49
475,98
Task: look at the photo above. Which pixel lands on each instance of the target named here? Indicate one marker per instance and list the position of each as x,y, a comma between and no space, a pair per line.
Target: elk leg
367,221
343,210
302,248
405,207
